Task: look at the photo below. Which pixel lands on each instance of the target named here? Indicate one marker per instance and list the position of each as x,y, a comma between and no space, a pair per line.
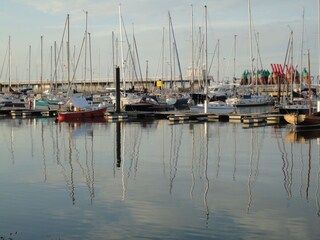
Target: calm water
155,180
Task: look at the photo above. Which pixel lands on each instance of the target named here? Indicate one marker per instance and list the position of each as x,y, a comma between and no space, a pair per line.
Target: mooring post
117,90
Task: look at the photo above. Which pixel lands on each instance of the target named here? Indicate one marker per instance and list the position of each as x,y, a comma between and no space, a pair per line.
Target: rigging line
214,53
76,66
136,48
176,50
60,49
258,48
160,57
4,60
129,48
288,51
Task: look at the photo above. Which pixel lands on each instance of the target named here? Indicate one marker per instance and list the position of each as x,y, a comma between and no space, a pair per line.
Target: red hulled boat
79,109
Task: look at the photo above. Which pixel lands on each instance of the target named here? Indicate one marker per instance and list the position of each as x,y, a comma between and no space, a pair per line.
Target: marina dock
174,117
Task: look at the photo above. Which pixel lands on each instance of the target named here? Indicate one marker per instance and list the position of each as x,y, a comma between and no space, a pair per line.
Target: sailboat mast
234,56
51,67
55,65
318,40
309,83
85,51
292,75
147,72
206,63
29,64
68,50
41,65
192,49
170,50
90,62
162,62
250,39
9,61
113,58
176,51
301,54
218,70
121,48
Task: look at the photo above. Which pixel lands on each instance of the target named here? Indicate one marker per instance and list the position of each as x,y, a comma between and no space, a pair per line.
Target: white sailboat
217,107
250,99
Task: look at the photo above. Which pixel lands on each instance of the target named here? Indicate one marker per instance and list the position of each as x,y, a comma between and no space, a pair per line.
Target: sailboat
303,121
11,99
81,110
214,107
248,99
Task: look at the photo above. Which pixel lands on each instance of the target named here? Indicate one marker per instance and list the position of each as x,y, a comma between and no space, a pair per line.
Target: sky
147,21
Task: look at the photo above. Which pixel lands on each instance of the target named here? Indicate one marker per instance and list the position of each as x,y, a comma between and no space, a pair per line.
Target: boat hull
147,107
300,121
81,115
217,107
250,101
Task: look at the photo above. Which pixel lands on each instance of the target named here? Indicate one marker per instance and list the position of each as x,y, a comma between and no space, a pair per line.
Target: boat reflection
302,136
306,137
86,120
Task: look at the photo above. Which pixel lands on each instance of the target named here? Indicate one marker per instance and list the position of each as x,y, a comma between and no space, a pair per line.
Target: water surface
156,180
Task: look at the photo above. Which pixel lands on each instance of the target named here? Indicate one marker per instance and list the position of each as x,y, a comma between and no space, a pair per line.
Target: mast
292,75
318,41
113,58
301,54
309,83
147,72
218,70
162,62
10,61
176,50
250,38
200,58
257,59
138,59
192,50
55,65
121,48
68,50
41,65
85,51
51,67
90,63
234,56
206,63
170,50
29,70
